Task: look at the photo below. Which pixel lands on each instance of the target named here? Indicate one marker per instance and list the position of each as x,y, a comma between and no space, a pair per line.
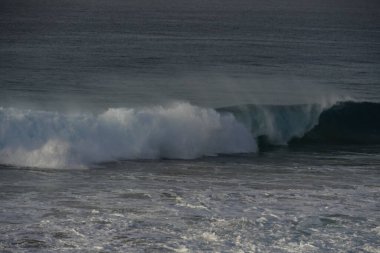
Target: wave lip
180,131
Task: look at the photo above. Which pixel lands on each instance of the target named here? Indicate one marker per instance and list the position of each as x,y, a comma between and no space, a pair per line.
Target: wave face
340,123
54,140
346,123
180,131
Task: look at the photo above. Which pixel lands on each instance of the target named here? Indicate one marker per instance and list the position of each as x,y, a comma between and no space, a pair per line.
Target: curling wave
180,131
340,123
346,123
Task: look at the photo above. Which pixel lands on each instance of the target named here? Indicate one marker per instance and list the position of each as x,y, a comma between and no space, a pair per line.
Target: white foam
56,140
210,237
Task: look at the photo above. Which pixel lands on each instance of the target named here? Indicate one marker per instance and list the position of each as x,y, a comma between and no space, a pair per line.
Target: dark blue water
192,126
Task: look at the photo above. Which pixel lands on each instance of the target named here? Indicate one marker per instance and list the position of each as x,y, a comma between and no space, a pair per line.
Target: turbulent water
189,126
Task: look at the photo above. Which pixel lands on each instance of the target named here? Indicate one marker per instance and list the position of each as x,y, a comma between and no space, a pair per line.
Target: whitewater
182,131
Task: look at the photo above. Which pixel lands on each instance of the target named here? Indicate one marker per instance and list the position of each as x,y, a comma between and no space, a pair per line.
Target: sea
189,126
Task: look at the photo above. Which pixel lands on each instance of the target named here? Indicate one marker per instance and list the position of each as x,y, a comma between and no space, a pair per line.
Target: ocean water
173,126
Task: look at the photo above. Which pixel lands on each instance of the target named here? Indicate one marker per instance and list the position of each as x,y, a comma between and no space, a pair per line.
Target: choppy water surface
278,201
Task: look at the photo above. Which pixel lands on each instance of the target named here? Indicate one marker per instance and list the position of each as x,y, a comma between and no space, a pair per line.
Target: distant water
77,56
187,127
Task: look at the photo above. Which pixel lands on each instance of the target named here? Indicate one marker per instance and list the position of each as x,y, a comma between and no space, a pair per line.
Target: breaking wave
179,131
56,140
